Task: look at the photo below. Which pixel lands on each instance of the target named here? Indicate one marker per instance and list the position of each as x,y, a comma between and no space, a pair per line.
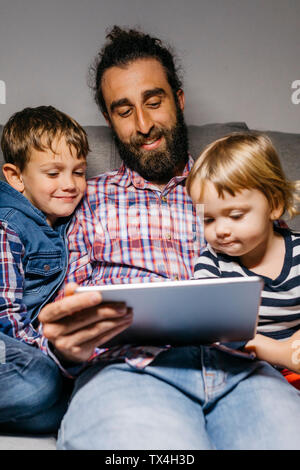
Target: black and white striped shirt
279,314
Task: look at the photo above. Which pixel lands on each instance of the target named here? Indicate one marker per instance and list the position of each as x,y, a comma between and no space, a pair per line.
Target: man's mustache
155,133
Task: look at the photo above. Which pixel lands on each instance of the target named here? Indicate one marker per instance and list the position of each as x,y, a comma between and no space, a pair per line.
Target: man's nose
144,122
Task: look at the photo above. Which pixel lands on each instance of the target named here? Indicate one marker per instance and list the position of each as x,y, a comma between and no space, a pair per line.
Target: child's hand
284,354
259,345
292,346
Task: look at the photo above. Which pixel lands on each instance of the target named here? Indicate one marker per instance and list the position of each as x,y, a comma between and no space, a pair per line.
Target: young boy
240,181
45,153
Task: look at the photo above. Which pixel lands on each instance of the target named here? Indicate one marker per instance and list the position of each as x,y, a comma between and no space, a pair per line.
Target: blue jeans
34,395
188,398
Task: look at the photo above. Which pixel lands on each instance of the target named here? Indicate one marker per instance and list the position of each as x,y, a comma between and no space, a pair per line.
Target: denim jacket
44,256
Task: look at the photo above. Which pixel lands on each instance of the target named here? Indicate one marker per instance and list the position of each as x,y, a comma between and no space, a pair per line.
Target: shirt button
164,199
46,267
168,237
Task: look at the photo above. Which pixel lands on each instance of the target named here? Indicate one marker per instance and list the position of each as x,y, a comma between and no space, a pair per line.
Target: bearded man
137,224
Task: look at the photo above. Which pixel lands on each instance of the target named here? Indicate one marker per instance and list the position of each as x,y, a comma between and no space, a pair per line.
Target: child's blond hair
246,161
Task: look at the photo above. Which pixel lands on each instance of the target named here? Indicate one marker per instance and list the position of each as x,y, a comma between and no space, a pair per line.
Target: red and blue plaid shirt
127,230
14,320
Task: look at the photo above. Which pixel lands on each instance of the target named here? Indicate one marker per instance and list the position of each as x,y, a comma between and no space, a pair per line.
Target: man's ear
180,98
13,176
107,118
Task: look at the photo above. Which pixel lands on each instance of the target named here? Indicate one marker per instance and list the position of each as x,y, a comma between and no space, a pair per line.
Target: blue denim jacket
45,251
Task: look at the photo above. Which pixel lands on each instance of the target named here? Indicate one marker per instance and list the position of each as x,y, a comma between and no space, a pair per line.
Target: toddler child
45,161
240,182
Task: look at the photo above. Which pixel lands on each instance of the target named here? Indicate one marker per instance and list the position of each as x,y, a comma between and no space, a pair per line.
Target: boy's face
54,183
239,225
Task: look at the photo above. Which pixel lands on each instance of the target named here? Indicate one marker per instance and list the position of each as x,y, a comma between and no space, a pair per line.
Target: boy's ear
13,176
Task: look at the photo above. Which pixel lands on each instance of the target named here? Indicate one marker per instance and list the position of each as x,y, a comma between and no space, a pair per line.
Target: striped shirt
127,230
279,314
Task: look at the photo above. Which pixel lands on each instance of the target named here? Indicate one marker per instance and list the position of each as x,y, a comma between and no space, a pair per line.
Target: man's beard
157,166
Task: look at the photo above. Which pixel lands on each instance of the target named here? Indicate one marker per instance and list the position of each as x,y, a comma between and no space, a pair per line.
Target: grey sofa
104,156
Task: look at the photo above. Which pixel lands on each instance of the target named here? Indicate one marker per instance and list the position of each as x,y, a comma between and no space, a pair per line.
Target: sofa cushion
286,144
288,148
23,442
104,155
201,136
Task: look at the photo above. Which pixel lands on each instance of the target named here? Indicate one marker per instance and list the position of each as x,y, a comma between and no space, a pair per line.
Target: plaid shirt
14,320
127,230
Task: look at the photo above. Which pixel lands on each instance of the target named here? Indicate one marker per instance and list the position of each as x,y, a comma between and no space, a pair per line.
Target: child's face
54,183
235,225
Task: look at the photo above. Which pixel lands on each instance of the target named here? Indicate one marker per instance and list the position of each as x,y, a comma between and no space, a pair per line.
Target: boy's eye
53,174
208,220
79,173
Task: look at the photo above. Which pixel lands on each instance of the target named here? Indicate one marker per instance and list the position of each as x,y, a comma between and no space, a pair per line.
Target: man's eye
125,113
155,104
208,220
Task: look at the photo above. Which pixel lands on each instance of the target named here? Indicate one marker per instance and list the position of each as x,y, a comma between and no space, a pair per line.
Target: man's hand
78,323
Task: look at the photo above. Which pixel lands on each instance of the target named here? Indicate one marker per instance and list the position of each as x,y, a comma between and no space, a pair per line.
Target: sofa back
104,155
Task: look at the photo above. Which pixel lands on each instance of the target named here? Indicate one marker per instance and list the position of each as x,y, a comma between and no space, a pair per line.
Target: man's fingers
80,345
78,323
69,305
84,318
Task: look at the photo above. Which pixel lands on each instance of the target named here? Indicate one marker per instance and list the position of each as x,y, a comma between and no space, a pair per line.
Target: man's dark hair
127,45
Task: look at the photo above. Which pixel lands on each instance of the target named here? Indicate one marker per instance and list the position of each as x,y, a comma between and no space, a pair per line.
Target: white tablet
188,312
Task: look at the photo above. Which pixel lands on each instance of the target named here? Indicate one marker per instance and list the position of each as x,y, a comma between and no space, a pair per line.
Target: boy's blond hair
245,161
37,128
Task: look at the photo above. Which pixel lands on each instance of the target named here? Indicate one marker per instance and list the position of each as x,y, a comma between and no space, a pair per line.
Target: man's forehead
136,77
